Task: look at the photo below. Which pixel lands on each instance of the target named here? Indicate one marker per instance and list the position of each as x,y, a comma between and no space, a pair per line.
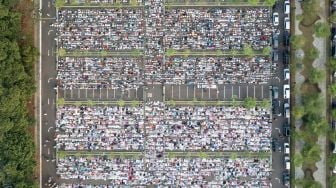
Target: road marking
253,91
48,151
107,93
100,93
224,91
49,79
48,101
209,92
113,93
85,92
262,92
136,93
179,91
79,93
71,93
129,93
239,91
247,91
217,92
194,92
48,53
187,91
93,93
202,92
64,92
172,92
52,51
231,91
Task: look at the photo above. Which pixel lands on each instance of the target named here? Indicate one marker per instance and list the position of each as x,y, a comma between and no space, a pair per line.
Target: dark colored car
275,145
286,57
285,178
286,38
286,129
276,107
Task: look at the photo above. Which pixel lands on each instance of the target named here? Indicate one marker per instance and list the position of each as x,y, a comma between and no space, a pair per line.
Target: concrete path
320,63
299,79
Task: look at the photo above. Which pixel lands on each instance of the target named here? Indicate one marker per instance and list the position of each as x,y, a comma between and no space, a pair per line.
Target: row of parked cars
281,105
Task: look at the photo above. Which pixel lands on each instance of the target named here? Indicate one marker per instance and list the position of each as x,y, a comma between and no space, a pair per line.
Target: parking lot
154,127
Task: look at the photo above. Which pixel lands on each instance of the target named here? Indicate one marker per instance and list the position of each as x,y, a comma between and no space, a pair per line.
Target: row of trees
17,59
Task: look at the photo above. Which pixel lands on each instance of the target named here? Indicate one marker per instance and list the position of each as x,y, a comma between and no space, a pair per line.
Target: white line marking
224,92
209,92
48,101
179,91
113,93
262,92
239,91
187,91
253,91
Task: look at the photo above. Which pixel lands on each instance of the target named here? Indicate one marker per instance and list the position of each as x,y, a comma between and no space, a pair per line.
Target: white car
286,74
287,162
275,19
286,148
287,23
286,110
286,7
286,91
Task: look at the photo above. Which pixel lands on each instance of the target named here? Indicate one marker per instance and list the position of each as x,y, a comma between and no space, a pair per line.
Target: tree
318,128
270,2
298,112
311,153
307,183
248,51
253,2
172,103
250,102
332,180
322,29
297,160
234,102
61,52
267,51
297,41
332,64
332,17
313,53
170,52
90,103
219,53
332,89
316,76
265,103
311,8
135,103
59,3
60,101
121,103
312,103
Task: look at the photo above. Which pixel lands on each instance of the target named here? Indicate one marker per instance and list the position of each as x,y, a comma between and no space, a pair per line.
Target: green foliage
311,10
17,87
219,52
170,52
267,51
135,103
297,160
265,104
307,183
61,52
233,156
311,153
250,102
313,53
270,2
322,29
316,76
332,17
248,51
312,103
186,53
297,41
90,103
332,181
298,112
253,2
332,161
234,102
60,101
59,3
332,64
195,101
121,103
299,17
332,89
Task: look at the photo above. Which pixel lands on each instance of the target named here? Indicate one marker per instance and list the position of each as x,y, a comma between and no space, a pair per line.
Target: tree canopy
297,41
322,29
17,87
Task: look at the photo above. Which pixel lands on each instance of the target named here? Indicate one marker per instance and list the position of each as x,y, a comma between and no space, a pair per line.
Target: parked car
286,91
286,38
286,129
287,23
276,107
275,92
275,41
275,56
287,162
286,74
286,7
285,178
286,110
286,148
275,145
275,18
286,57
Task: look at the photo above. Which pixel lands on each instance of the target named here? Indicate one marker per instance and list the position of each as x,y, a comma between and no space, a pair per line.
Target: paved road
48,93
